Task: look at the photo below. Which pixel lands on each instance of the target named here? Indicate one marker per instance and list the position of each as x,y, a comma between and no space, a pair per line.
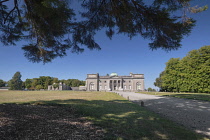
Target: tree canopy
16,83
44,81
51,26
2,83
189,74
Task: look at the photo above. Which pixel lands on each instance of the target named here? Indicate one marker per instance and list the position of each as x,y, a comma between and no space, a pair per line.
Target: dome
113,74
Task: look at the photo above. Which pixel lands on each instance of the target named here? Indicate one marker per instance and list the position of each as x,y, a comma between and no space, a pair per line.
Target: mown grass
194,96
120,118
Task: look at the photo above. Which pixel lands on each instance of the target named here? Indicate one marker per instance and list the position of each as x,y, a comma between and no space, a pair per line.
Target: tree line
189,74
37,83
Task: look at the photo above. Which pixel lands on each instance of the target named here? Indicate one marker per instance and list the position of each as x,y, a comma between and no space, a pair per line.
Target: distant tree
151,89
52,27
55,80
2,83
16,83
23,85
48,81
38,87
82,83
34,83
159,81
55,85
28,83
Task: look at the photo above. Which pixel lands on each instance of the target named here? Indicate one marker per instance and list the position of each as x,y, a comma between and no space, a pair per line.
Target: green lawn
120,118
195,96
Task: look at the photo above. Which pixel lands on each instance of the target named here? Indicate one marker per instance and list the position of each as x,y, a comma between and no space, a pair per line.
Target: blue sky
120,55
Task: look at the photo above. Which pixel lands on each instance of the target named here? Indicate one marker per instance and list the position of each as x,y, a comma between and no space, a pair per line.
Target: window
100,87
138,86
91,86
129,86
124,87
104,87
104,81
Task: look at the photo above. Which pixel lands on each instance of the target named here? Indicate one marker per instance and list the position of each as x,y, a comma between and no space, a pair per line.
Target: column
110,86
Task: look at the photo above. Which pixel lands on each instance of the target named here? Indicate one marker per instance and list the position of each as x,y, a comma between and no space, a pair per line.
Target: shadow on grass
120,119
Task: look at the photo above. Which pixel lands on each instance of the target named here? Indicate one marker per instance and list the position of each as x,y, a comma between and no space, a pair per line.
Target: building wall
60,87
92,82
133,82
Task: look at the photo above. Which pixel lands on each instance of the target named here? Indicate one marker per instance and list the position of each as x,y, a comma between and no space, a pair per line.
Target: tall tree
190,74
16,82
28,83
159,82
52,27
2,83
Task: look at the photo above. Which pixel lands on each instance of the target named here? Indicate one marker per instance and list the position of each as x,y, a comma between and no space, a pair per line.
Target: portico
113,82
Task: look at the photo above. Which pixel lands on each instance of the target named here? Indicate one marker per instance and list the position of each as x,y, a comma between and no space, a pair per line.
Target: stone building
113,82
61,86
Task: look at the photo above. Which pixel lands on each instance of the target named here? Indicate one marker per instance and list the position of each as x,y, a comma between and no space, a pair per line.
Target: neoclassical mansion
113,82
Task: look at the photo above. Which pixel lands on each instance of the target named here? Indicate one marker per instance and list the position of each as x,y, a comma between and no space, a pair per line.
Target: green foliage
52,27
45,81
55,85
16,83
2,83
28,83
38,87
151,89
74,82
189,74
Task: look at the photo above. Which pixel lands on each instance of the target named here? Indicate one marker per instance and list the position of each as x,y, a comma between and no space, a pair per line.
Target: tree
55,85
52,27
28,83
159,81
55,80
38,87
16,83
34,83
189,74
2,83
151,89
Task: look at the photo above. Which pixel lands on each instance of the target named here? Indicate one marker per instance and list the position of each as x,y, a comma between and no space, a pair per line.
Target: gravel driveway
192,114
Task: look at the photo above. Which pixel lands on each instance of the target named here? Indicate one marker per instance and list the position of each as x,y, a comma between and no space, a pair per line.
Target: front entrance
115,84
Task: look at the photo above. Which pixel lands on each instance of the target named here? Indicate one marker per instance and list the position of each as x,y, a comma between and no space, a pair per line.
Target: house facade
114,82
60,86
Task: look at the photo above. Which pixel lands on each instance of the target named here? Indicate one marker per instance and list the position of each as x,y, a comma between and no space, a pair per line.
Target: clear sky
120,55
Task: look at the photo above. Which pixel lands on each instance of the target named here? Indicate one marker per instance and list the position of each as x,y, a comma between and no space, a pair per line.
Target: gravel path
192,114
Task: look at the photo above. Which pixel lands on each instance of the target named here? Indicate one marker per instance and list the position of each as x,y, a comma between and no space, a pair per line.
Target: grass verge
120,118
194,96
